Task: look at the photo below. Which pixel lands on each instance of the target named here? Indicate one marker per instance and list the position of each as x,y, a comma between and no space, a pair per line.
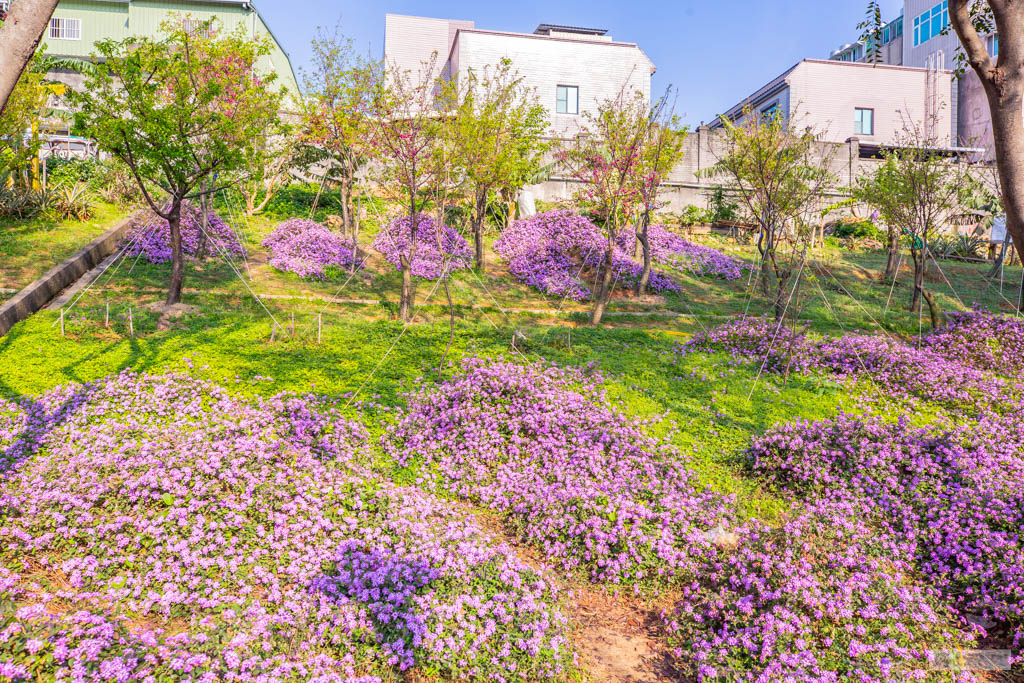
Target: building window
993,44
65,29
567,99
863,121
5,6
931,23
198,27
771,111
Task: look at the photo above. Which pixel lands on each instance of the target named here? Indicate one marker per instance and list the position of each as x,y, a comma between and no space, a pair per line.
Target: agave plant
71,201
953,246
21,204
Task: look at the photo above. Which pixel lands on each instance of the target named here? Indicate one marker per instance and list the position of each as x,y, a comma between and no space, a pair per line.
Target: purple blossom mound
307,248
819,598
672,250
150,237
950,368
160,528
544,447
951,497
552,251
428,260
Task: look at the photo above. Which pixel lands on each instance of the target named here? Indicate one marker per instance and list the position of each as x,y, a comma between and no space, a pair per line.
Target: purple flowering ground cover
557,251
308,249
160,528
150,236
670,249
428,260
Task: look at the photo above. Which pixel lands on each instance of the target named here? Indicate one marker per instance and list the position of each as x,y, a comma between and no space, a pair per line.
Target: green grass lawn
29,248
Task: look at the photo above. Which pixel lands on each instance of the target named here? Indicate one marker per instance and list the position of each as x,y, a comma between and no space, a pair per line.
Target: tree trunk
405,302
19,38
915,299
478,229
346,214
204,209
177,257
1004,88
892,262
645,244
355,238
933,310
604,291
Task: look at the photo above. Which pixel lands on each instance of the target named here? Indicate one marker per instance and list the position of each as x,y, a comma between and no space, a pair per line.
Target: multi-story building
843,99
77,25
570,69
890,49
930,43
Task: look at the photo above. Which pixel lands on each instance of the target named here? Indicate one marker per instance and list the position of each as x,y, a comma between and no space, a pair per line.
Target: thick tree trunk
645,243
604,290
933,309
1004,89
478,229
892,260
346,214
177,256
204,209
19,38
355,238
915,297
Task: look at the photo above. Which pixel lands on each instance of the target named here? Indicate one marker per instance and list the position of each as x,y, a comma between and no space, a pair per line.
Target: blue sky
715,52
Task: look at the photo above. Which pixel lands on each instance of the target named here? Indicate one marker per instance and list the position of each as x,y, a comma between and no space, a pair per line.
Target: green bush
692,215
70,171
858,230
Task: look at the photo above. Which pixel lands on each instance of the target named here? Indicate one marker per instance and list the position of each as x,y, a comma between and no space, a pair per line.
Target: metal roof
544,29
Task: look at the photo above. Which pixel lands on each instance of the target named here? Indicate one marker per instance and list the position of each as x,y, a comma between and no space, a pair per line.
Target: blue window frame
931,23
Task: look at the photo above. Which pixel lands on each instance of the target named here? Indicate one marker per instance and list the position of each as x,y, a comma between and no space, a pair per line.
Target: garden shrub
428,261
150,236
201,536
308,249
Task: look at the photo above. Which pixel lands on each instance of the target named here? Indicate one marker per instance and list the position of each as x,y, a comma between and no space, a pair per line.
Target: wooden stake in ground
273,332
291,332
319,326
106,317
62,322
131,323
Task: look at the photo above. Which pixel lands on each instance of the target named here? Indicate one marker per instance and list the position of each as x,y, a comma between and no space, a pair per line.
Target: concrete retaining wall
39,293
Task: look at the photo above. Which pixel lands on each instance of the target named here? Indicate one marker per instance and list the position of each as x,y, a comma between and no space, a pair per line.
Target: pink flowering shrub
552,251
244,540
308,249
150,236
947,369
820,598
545,448
951,496
668,248
428,261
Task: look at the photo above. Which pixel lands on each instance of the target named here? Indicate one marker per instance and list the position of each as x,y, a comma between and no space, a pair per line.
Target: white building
570,69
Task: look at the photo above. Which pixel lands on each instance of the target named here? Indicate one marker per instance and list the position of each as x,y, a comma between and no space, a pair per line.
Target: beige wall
825,93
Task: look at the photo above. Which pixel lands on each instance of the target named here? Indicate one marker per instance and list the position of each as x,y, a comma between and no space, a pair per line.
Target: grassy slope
29,248
706,398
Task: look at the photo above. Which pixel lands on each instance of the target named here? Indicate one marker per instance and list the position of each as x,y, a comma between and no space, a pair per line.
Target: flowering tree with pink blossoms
179,110
403,136
606,157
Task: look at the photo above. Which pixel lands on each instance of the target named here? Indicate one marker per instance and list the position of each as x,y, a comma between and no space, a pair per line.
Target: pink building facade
877,104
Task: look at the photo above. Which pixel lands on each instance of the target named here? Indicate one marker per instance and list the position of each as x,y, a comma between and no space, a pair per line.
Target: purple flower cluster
428,261
952,367
150,236
952,497
307,248
574,476
819,598
554,251
672,250
243,540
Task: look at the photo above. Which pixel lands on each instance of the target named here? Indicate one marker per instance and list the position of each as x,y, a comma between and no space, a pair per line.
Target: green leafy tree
179,110
495,127
778,174
335,114
916,191
605,157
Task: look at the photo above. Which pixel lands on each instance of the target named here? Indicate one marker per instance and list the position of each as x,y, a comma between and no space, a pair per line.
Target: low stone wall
39,293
